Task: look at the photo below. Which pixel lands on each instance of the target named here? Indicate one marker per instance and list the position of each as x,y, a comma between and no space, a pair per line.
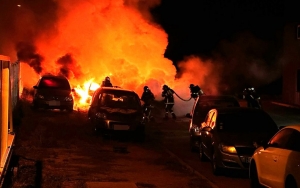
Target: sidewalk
285,104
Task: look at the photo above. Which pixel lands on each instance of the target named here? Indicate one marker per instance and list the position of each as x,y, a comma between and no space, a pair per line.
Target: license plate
246,159
121,127
54,103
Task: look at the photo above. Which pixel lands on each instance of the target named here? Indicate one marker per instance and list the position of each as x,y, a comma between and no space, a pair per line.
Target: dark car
53,92
199,111
229,136
117,110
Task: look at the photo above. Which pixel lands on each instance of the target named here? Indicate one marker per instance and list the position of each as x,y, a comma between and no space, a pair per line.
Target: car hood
243,139
53,92
123,111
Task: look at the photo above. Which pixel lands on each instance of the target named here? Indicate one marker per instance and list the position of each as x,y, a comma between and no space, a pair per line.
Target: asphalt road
55,149
175,138
58,149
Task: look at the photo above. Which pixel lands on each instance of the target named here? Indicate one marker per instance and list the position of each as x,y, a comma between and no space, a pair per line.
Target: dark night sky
210,29
197,27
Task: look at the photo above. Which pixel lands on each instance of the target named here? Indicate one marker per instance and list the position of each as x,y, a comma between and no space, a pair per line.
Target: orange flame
111,37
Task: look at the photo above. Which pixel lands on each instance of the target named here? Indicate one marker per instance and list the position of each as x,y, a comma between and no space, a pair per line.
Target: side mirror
35,87
264,144
188,115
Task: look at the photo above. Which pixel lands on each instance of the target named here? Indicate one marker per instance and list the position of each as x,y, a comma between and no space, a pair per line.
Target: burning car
116,110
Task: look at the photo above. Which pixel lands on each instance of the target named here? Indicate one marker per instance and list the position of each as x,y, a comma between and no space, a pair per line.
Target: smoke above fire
89,40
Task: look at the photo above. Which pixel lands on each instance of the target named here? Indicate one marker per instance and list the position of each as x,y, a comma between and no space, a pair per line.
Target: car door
271,160
289,159
207,134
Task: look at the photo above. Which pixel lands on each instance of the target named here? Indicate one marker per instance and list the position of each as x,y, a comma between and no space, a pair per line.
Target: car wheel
254,182
215,168
290,182
70,109
202,156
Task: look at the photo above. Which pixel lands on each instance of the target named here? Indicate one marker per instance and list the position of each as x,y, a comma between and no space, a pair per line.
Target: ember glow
94,39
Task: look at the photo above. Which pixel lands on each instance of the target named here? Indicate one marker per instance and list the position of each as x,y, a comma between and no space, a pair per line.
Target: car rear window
245,122
119,99
55,83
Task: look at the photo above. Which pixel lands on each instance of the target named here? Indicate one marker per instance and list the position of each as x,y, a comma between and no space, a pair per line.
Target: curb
285,105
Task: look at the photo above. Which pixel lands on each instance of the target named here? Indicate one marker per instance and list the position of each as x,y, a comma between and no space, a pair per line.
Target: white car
276,164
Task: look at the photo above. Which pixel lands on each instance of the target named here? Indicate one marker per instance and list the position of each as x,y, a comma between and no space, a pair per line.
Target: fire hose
182,98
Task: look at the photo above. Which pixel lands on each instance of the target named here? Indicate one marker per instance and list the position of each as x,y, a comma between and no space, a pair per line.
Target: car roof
224,110
53,76
115,89
217,97
296,127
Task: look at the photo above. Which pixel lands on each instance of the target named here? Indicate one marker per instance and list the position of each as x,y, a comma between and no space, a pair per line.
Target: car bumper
112,125
53,104
194,137
233,161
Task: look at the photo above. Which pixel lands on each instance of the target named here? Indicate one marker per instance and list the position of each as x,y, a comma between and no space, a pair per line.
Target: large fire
94,39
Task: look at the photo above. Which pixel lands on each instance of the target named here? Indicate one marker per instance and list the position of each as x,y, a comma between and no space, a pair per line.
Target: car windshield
245,122
119,99
55,83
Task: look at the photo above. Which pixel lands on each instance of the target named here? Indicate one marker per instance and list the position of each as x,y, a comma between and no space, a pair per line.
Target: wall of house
291,65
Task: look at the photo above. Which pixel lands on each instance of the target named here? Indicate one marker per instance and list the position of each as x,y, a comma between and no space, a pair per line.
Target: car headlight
69,99
40,96
228,149
195,128
101,115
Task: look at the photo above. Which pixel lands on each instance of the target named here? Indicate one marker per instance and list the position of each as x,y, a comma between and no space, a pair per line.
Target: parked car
199,111
276,163
117,110
229,136
53,92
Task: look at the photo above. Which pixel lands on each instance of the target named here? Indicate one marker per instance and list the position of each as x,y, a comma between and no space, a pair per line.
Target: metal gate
9,92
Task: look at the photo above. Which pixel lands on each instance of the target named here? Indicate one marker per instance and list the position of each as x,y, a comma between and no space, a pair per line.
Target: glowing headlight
101,115
228,149
40,96
69,98
195,128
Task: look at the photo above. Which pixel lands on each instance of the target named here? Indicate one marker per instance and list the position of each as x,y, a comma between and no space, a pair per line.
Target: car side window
294,141
281,139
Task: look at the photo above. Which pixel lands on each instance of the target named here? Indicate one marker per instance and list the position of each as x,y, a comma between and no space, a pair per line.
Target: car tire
70,109
254,182
202,156
215,168
290,182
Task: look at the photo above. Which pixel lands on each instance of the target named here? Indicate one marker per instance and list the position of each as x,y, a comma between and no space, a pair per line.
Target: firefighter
147,97
252,98
106,82
168,93
195,91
